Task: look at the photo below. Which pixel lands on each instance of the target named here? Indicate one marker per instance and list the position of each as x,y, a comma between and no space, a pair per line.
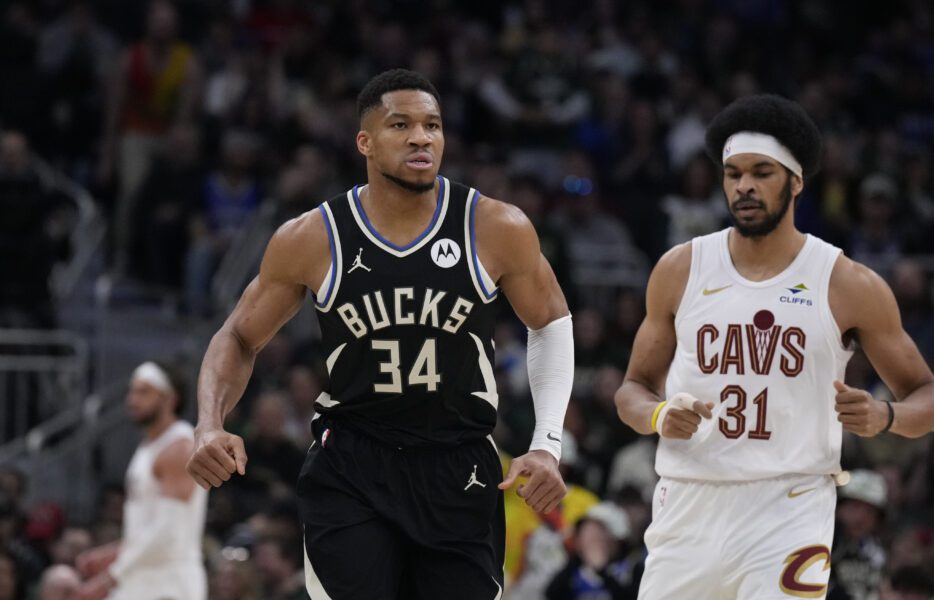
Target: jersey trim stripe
337,261
437,219
328,285
478,274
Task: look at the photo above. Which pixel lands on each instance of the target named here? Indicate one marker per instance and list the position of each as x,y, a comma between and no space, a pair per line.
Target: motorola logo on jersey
445,252
753,345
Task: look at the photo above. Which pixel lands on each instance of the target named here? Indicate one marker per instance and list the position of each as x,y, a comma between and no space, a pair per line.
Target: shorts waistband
320,424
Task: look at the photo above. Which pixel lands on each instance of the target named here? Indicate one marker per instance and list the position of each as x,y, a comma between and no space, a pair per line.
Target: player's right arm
654,347
297,257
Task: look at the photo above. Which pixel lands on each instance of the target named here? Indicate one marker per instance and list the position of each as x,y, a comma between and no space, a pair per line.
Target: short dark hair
177,379
783,119
371,95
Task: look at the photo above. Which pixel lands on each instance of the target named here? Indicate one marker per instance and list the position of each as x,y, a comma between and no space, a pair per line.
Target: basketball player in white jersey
739,365
159,556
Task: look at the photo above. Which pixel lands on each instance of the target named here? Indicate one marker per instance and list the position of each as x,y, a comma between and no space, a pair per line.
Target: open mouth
420,162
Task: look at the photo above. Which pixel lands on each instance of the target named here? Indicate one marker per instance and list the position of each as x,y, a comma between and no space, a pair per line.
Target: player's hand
683,416
859,412
545,488
91,562
216,456
97,588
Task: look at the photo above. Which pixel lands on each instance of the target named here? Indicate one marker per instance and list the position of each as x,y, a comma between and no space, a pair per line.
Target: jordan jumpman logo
473,480
358,263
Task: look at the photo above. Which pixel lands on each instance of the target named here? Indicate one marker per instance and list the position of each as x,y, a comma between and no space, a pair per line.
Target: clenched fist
859,411
681,416
216,456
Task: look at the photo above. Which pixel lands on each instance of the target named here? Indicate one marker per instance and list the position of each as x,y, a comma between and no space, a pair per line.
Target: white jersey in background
160,552
766,354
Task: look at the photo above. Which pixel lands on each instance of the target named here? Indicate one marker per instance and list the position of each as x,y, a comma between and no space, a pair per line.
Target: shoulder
505,236
299,246
294,237
502,217
669,279
676,261
503,227
850,279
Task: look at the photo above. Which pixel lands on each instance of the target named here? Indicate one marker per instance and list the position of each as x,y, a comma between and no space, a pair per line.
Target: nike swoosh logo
715,290
549,436
794,494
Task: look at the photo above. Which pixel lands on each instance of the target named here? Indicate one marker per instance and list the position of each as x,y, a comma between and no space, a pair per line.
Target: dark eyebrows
406,116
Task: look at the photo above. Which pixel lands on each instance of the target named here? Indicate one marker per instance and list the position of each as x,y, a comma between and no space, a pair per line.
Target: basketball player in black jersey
401,492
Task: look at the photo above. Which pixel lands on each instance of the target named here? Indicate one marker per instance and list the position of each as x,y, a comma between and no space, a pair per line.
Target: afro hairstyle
371,95
783,119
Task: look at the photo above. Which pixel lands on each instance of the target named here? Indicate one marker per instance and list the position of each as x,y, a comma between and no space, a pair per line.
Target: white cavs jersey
766,354
173,569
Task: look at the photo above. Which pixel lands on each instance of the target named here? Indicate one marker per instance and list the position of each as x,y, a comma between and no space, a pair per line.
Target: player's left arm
510,250
876,321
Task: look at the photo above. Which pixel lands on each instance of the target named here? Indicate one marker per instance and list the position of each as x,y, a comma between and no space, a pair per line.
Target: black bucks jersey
407,330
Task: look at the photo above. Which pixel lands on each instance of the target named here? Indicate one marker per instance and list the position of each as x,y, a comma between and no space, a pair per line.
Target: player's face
758,191
404,139
144,402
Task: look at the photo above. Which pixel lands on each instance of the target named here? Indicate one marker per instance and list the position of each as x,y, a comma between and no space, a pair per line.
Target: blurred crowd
184,119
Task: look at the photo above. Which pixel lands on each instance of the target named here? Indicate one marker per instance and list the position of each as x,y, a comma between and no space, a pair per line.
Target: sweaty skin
401,140
876,324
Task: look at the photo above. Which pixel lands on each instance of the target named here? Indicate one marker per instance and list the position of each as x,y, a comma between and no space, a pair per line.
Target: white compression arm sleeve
551,375
157,545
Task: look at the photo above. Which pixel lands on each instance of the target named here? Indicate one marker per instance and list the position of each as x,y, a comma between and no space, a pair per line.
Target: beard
771,220
146,419
411,186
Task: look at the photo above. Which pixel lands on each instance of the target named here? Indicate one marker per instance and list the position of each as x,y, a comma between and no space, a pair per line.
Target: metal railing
41,374
86,235
62,454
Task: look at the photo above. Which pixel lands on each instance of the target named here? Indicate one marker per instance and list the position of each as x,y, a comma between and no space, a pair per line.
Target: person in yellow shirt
521,520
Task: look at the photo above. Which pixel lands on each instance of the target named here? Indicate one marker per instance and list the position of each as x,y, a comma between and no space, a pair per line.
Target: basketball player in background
401,491
739,367
159,555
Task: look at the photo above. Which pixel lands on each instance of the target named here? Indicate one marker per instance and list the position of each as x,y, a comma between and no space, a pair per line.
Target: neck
387,199
158,427
759,258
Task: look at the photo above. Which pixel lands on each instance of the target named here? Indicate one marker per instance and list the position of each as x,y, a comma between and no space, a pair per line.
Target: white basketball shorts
761,540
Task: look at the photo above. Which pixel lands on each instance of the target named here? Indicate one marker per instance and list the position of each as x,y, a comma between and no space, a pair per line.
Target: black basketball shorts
387,523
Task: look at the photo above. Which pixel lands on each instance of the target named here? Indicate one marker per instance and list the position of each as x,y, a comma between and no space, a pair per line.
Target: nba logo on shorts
325,436
662,494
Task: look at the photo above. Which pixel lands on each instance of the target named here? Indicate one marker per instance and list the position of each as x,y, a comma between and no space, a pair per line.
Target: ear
797,185
363,142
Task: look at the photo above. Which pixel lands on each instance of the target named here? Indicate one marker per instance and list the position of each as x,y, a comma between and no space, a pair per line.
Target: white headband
751,142
151,373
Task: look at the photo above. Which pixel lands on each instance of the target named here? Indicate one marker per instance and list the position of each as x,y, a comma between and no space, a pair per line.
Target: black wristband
891,417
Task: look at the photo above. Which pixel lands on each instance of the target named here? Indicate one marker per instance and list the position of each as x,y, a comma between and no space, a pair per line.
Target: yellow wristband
658,409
